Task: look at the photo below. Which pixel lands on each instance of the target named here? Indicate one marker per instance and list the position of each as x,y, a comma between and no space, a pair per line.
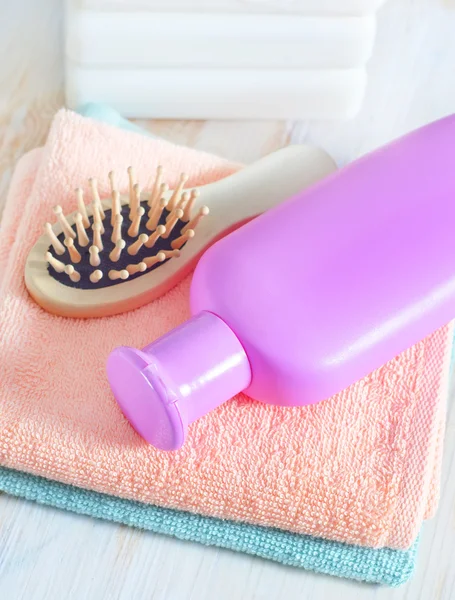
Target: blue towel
385,566
106,114
389,567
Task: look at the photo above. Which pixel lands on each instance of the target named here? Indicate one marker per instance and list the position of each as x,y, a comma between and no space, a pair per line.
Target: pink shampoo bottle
308,298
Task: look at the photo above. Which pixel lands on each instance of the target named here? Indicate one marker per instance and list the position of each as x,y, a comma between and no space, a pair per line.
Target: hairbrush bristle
132,183
135,201
189,205
174,199
72,273
155,194
180,241
82,237
97,239
115,274
152,228
155,213
73,251
59,248
137,245
56,264
115,206
153,260
81,206
137,268
96,200
203,212
116,253
67,229
152,238
117,229
171,222
133,230
94,259
96,276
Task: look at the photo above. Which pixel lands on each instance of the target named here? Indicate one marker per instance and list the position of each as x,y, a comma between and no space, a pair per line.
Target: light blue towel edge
106,114
384,566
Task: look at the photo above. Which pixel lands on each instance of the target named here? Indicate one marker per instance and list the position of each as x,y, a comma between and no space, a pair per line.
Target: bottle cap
182,376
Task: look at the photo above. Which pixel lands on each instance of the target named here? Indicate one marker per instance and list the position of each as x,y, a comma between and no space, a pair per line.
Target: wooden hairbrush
118,253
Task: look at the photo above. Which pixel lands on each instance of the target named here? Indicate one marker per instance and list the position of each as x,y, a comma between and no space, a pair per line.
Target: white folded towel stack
306,7
220,59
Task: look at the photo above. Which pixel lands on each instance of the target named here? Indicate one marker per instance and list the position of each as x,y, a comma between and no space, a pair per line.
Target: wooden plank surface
47,554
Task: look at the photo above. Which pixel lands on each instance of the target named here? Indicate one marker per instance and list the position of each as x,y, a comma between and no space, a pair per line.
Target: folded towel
385,566
139,39
183,93
360,468
314,7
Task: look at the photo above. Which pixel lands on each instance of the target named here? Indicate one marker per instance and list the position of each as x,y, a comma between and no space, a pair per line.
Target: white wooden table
48,554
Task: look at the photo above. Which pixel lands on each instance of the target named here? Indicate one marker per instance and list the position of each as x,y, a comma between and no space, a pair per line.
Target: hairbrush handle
261,186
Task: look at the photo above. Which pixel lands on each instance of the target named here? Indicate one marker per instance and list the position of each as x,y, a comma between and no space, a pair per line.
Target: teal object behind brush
106,114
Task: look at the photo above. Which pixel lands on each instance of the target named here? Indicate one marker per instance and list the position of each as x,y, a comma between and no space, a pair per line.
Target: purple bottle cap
179,378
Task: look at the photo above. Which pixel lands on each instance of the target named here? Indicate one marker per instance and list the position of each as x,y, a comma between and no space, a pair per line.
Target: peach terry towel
362,467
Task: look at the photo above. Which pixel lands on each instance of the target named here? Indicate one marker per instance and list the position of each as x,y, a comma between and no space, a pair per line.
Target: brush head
122,254
108,242
111,254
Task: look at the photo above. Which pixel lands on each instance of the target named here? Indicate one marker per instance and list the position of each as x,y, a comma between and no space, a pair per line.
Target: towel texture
360,468
385,566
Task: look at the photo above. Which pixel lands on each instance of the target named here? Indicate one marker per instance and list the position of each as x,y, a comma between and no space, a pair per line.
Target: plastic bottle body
343,277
